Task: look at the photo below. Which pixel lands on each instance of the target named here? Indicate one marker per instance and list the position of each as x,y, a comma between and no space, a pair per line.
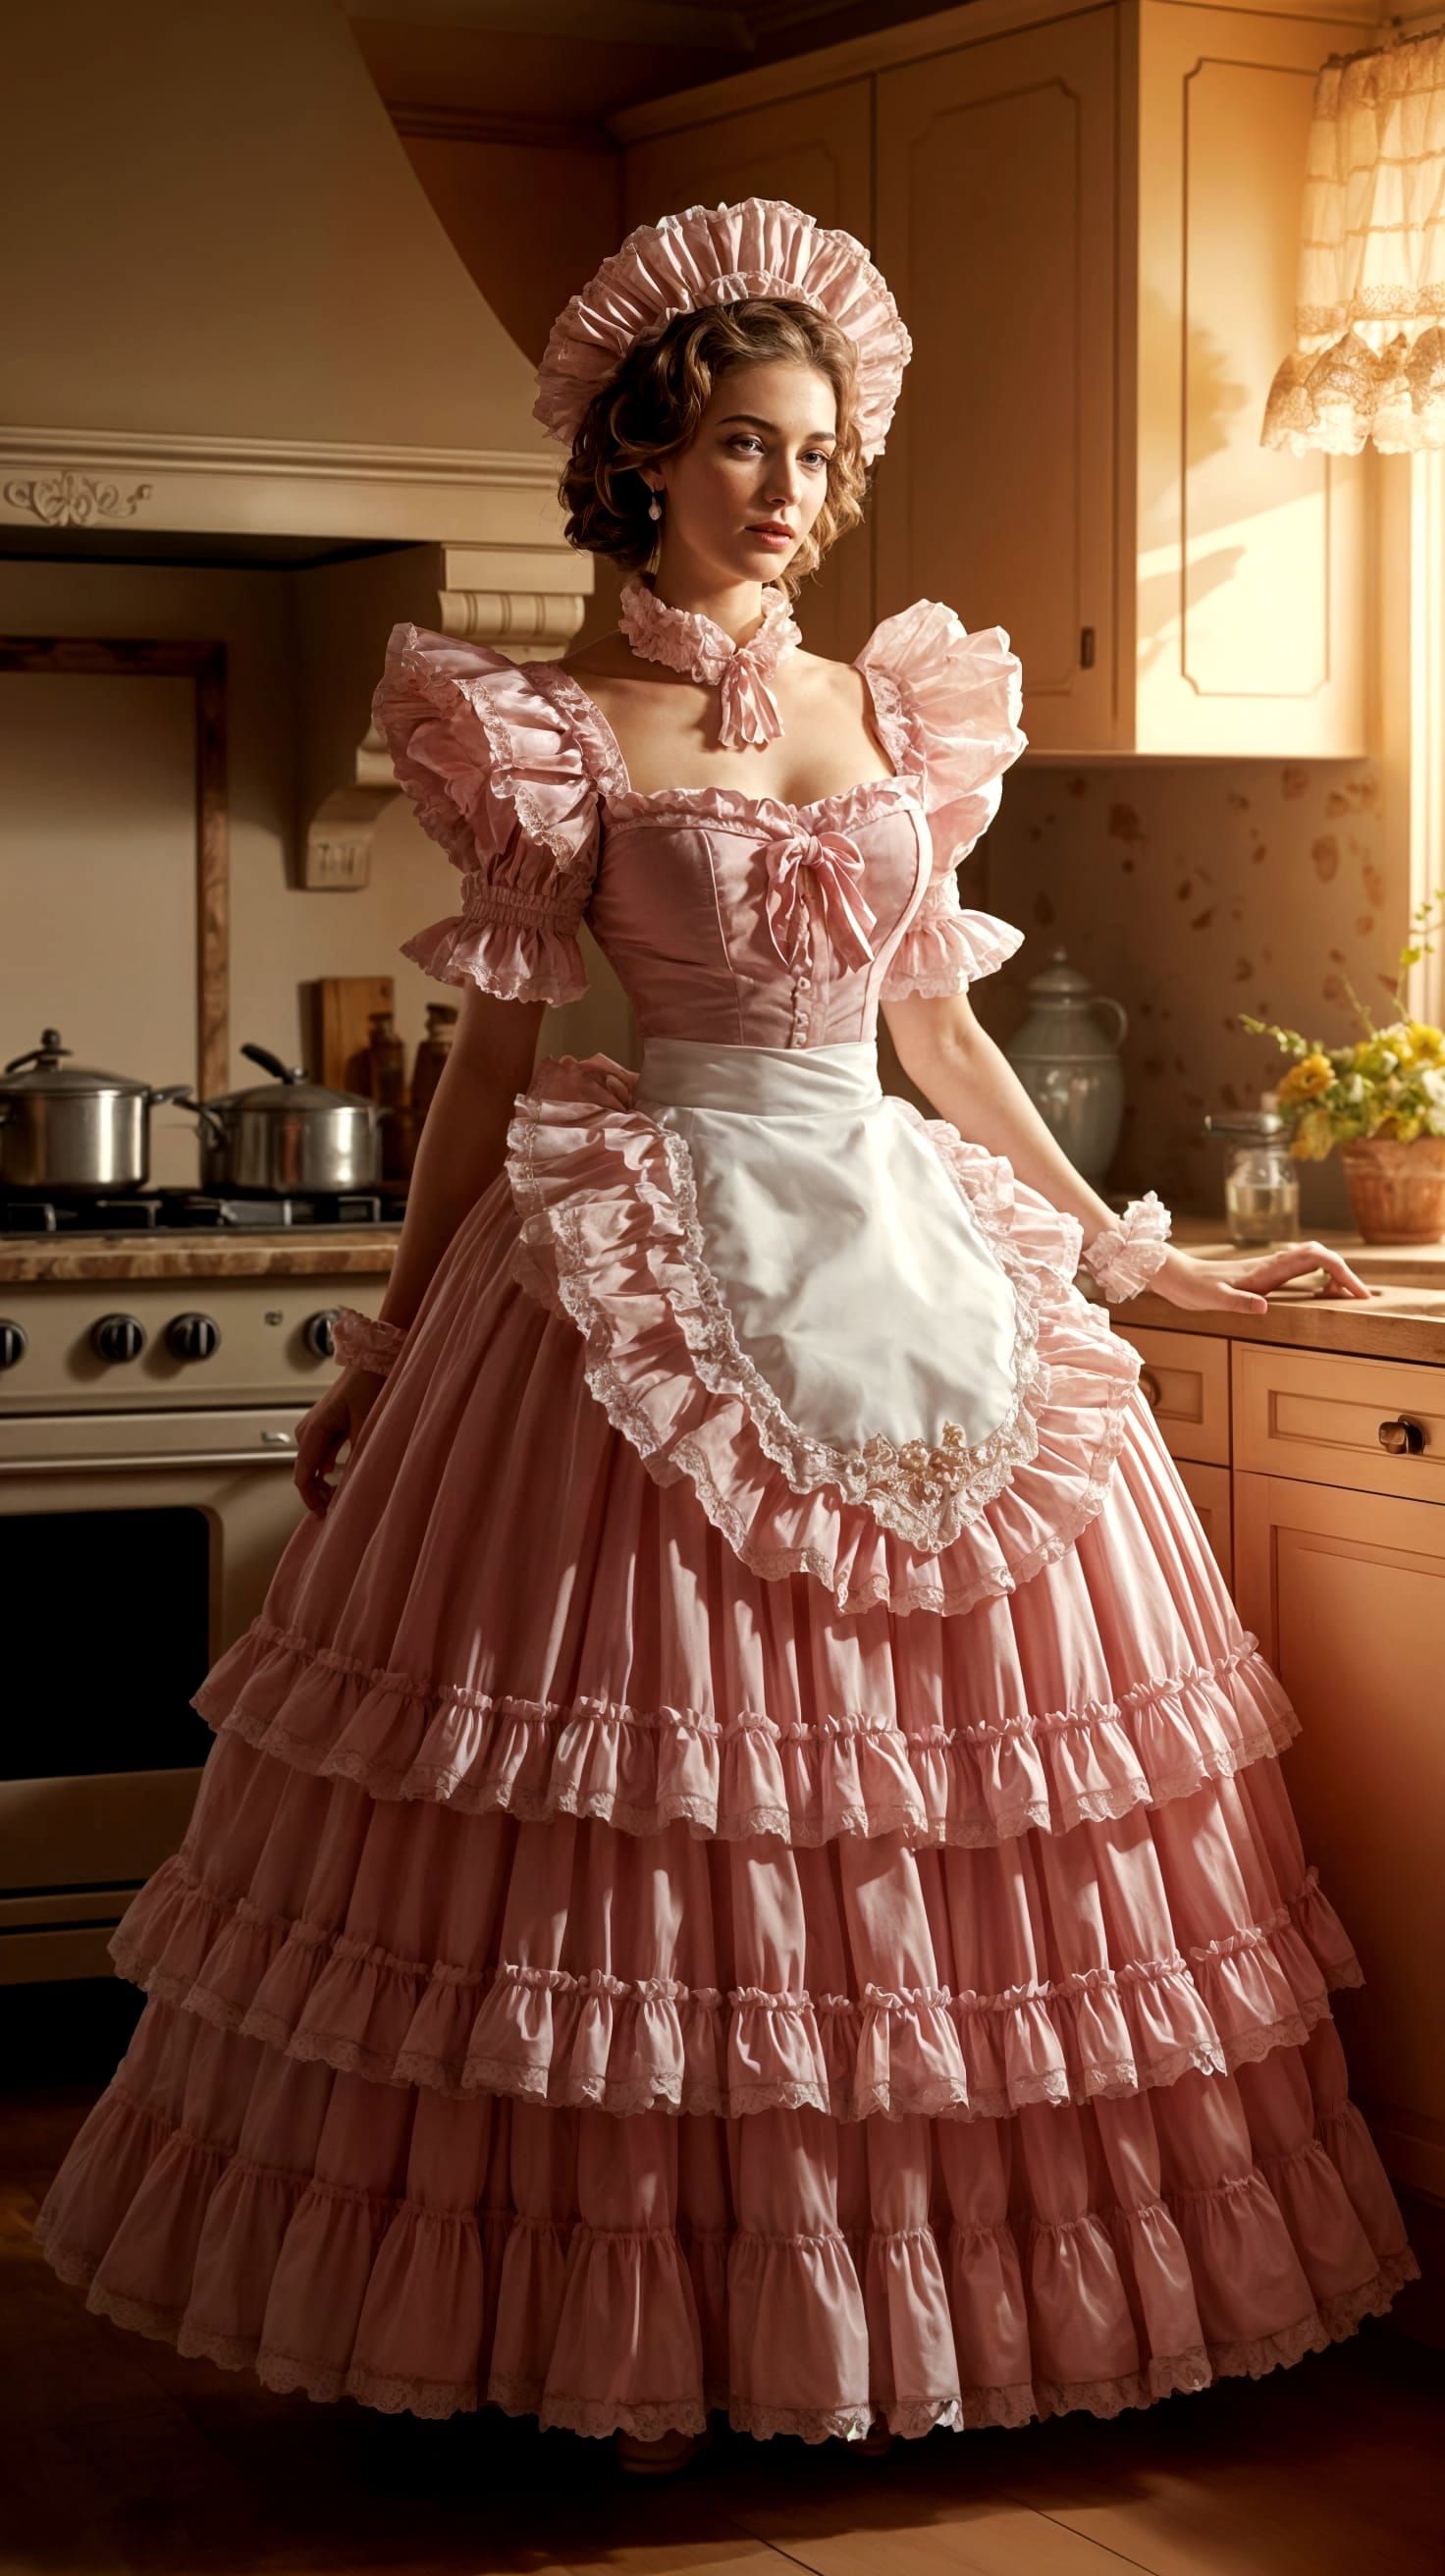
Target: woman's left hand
1243,1285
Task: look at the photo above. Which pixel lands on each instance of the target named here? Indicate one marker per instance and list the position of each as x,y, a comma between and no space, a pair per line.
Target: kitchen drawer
1186,1380
1317,1416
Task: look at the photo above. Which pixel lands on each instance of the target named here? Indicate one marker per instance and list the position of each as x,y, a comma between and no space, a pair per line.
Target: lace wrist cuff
360,1341
1123,1257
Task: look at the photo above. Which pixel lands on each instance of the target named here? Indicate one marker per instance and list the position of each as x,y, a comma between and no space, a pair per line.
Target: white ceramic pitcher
1069,1066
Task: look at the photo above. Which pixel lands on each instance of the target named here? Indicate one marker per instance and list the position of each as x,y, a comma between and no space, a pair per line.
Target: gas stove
200,1211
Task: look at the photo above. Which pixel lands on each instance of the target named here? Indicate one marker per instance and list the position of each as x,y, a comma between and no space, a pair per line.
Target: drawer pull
1153,1393
1402,1437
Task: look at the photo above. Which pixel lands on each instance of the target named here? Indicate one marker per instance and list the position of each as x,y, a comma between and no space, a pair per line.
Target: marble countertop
1405,1321
265,1252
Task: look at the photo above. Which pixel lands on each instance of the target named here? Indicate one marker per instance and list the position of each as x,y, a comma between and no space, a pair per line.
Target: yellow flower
1312,1138
1426,1039
1305,1080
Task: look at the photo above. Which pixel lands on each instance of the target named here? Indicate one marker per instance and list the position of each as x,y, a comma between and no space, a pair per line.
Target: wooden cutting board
340,1008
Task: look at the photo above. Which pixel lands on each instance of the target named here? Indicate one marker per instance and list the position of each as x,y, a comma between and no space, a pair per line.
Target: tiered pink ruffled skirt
604,1982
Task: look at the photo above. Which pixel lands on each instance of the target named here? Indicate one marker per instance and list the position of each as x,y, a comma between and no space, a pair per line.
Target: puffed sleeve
497,778
954,699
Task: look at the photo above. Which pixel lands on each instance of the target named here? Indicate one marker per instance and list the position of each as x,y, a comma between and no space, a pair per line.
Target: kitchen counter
1406,1321
210,1253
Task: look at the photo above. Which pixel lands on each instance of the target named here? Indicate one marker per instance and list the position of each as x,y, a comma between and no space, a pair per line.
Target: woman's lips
773,536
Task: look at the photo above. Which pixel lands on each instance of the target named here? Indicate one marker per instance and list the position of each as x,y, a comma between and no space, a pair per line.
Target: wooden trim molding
204,664
58,477
916,39
1427,715
521,127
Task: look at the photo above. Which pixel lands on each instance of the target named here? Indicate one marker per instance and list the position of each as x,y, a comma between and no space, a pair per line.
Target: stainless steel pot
67,1129
289,1134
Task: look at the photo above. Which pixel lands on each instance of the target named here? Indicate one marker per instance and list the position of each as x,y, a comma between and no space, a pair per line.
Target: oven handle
279,1451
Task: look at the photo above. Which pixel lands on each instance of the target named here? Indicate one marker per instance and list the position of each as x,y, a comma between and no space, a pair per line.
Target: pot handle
272,1064
1106,1002
49,1045
160,1092
201,1109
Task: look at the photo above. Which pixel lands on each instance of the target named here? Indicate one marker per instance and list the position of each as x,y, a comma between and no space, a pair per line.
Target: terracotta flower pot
1397,1191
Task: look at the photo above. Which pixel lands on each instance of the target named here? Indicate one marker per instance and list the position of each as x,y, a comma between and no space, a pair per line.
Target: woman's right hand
335,1418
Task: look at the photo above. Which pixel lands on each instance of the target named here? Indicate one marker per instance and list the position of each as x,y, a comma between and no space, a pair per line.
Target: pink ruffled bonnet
718,255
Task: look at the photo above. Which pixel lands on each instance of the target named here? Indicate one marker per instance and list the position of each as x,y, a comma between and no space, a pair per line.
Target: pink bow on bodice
833,866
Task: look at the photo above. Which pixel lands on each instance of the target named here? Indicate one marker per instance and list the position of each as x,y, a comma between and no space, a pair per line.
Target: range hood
231,312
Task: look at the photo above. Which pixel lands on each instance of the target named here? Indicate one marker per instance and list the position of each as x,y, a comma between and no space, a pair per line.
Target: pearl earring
654,507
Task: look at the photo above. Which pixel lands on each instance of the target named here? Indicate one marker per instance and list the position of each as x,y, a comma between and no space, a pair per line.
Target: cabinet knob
1402,1437
1153,1393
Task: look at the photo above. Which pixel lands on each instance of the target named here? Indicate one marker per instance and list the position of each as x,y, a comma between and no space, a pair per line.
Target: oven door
135,1548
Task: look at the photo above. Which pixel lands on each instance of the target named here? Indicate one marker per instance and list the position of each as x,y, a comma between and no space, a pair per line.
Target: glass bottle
431,1056
387,1053
1261,1182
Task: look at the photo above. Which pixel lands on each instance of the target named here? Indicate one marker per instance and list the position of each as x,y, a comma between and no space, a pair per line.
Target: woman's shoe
661,2458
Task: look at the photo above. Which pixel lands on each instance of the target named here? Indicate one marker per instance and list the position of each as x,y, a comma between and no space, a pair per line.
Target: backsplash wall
1193,891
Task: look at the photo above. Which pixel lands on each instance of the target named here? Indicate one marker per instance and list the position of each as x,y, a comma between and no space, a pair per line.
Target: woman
743,1865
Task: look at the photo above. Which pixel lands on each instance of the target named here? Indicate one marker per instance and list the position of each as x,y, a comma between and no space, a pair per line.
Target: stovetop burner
175,1205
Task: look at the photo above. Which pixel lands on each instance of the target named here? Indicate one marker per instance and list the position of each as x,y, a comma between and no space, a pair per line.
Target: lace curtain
1369,356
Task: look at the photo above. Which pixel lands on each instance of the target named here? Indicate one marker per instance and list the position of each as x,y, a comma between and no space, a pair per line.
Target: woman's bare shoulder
608,657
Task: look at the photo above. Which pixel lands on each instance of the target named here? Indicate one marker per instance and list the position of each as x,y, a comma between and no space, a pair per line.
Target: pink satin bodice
730,918
741,919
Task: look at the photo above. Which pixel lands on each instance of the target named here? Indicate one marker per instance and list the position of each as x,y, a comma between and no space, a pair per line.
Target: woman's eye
819,454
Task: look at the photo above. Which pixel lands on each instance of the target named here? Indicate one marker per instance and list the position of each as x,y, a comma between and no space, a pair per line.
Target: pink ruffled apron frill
610,1236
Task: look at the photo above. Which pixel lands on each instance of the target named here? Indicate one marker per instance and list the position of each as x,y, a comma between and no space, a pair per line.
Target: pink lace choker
687,641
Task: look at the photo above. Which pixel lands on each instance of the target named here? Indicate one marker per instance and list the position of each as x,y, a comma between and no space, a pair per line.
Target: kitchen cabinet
1346,1593
1090,218
1337,1542
996,181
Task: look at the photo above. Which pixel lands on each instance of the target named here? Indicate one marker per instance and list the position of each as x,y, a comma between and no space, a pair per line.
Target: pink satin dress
744,1863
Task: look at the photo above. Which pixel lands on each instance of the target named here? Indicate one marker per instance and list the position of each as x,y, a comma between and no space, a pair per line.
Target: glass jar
1261,1181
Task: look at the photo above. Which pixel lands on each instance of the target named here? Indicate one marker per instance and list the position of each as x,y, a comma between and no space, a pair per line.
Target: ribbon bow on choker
833,867
685,640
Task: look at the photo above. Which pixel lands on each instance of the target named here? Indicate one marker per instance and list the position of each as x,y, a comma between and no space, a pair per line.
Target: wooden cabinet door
814,151
995,230
1346,1592
1249,566
1209,1490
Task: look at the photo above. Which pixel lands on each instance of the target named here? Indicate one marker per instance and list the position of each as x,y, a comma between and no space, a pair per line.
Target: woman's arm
463,1144
462,1149
970,1081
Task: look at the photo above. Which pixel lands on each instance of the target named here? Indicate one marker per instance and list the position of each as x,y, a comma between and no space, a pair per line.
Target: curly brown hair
651,409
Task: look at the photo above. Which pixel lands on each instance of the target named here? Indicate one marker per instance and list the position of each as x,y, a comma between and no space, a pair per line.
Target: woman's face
759,457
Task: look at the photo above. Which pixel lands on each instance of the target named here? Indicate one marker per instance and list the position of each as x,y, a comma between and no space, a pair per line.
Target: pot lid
41,1070
289,1090
1247,1125
1059,980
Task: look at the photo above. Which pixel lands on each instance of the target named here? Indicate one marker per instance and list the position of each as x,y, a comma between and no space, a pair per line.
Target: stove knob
13,1344
316,1332
118,1337
192,1337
